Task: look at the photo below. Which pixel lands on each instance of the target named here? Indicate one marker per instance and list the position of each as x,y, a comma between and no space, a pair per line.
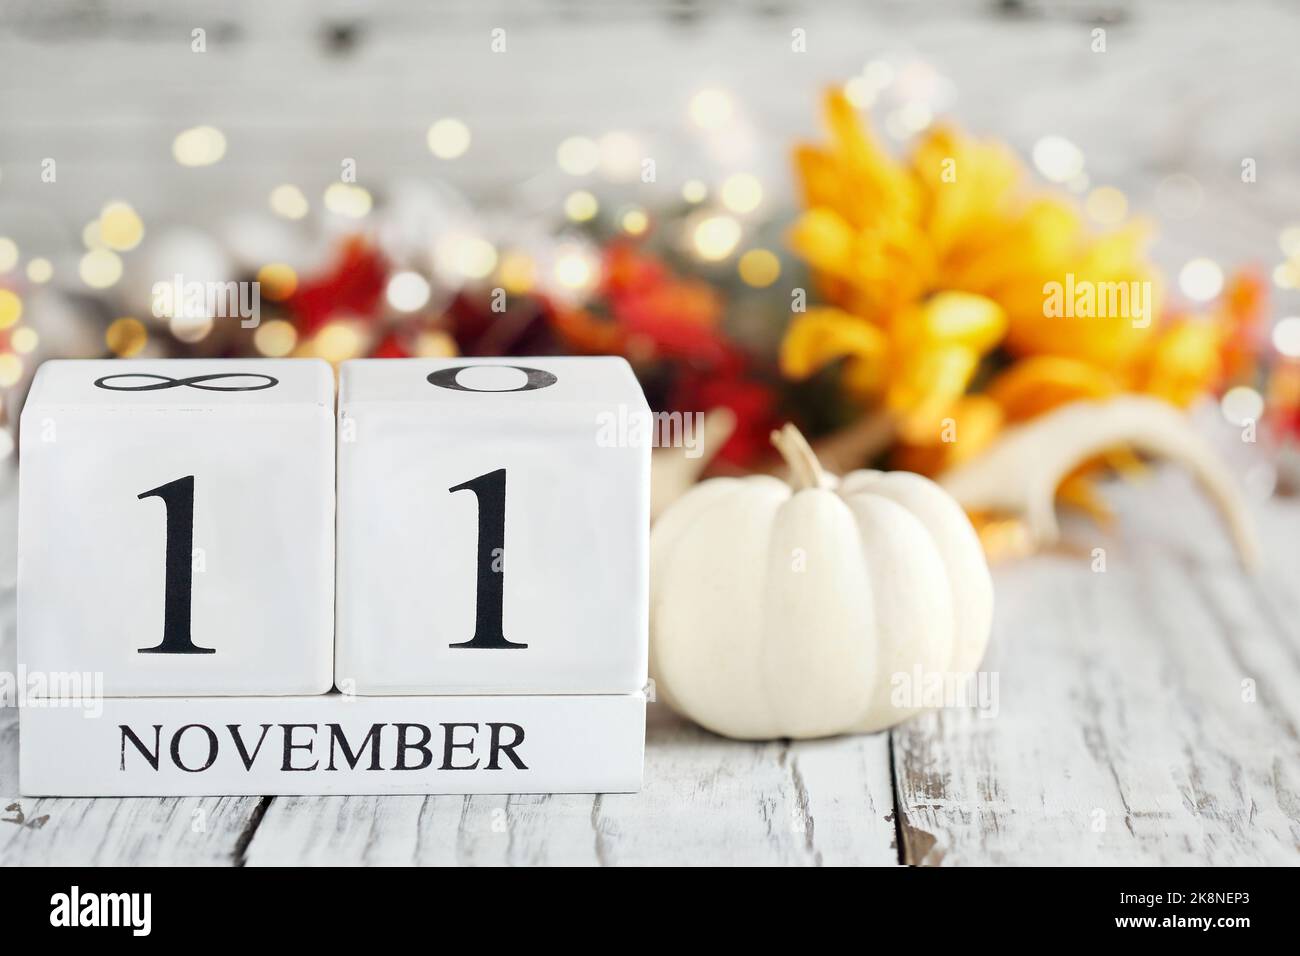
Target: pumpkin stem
805,470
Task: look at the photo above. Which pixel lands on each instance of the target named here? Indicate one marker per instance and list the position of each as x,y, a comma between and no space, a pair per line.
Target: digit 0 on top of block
493,527
176,526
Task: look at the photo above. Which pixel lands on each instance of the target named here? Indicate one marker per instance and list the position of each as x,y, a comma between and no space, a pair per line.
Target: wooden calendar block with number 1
493,527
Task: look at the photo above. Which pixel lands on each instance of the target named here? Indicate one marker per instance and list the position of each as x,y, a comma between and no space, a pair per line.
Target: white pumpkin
785,609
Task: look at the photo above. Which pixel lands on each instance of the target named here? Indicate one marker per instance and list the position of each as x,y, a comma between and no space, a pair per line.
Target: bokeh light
1286,336
120,228
759,268
742,193
578,155
580,206
8,254
407,291
1058,159
276,338
448,138
288,201
100,268
11,308
715,237
711,108
199,146
126,337
40,270
1200,279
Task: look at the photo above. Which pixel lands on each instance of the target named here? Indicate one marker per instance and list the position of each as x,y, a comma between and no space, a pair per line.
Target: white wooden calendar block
329,744
176,527
493,527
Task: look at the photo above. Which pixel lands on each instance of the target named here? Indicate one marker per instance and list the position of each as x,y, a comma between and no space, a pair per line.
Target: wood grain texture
102,832
705,800
1124,733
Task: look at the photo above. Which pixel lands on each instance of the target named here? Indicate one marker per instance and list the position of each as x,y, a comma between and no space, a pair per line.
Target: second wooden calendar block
176,526
493,527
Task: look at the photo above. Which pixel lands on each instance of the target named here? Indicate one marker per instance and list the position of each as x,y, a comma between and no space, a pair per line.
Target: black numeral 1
490,489
178,498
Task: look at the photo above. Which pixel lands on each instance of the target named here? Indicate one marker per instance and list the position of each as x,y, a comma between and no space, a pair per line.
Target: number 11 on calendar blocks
177,542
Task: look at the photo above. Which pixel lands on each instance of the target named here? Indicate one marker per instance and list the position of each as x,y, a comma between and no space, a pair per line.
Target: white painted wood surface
1121,737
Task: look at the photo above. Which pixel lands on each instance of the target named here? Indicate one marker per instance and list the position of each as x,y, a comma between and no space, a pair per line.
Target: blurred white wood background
103,87
1123,735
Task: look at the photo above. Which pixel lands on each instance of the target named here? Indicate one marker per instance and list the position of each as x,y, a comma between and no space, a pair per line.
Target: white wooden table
1121,737
1122,734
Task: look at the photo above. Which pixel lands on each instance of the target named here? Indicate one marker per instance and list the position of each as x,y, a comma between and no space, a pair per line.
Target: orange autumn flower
643,311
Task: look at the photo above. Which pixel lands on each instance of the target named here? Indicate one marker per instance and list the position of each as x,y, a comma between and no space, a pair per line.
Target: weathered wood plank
1123,734
706,799
114,832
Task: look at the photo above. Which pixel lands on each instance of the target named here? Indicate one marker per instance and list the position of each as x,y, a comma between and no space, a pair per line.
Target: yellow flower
918,366
946,269
821,336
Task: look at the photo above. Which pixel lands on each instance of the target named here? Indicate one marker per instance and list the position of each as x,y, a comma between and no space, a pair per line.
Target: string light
338,341
277,281
711,108
1201,279
517,273
40,270
1058,159
288,201
1286,336
715,237
742,193
434,343
276,338
620,156
8,253
575,270
635,221
407,291
694,191
578,155
11,370
1241,404
120,228
100,268
346,199
11,308
759,268
448,138
24,340
126,337
580,206
199,146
